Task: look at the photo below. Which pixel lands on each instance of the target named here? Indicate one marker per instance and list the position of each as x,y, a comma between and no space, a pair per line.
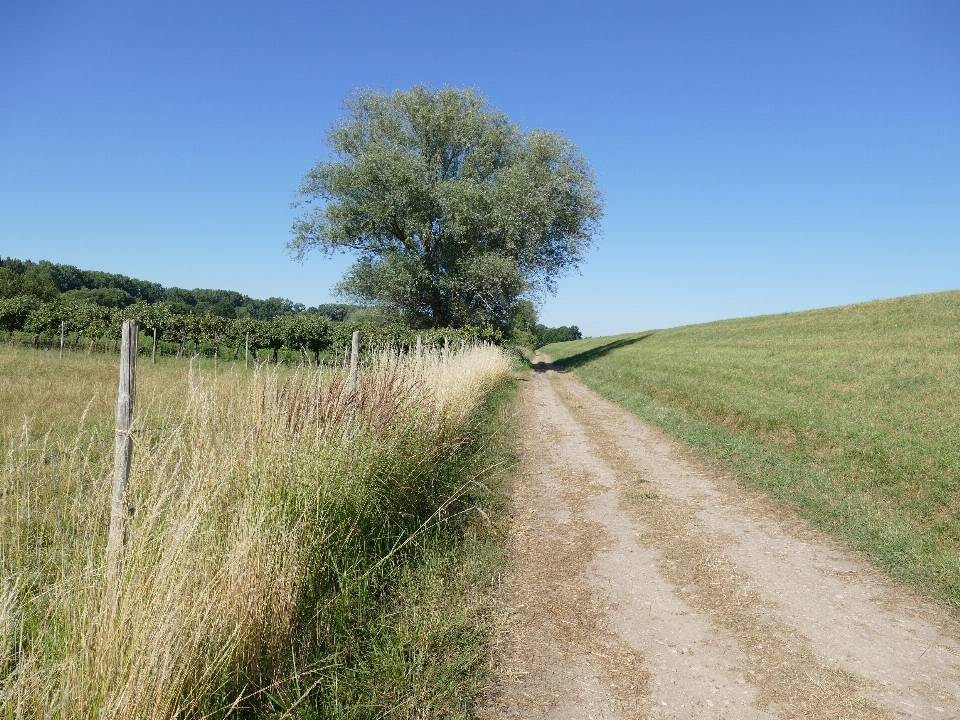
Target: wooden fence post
246,353
354,362
154,346
419,346
119,512
446,347
61,339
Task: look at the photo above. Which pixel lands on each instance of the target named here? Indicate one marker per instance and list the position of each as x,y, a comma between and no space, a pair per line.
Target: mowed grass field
851,415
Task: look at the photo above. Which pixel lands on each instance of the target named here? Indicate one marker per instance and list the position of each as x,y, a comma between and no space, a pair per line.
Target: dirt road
646,585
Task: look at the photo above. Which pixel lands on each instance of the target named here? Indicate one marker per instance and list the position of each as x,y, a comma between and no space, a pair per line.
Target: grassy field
293,552
849,414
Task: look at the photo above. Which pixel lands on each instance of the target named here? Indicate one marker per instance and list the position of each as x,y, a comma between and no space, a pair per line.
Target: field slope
850,414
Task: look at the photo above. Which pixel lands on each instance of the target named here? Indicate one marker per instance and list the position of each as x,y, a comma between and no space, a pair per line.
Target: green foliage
850,414
106,297
36,297
545,335
47,281
305,333
414,638
34,280
335,311
454,212
523,317
16,311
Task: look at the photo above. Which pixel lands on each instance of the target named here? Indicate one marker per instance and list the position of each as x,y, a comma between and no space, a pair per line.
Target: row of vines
91,326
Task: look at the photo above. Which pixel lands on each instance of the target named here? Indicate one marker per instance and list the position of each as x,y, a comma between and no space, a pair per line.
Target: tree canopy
48,281
454,212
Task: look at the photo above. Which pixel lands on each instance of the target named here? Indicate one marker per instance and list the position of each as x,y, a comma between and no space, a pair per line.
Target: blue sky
757,157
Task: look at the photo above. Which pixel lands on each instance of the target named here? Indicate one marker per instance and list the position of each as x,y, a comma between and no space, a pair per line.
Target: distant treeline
49,281
36,297
545,335
89,326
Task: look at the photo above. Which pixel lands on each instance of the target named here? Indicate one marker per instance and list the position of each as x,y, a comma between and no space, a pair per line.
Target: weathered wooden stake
119,512
61,339
446,347
154,346
354,362
419,346
246,353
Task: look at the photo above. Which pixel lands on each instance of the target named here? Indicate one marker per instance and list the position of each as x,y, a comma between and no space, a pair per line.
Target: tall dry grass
258,503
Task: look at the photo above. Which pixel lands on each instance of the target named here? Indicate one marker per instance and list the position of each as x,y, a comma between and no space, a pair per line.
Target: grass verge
420,650
294,551
850,414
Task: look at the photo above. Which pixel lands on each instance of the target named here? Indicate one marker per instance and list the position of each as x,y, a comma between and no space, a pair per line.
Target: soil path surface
645,585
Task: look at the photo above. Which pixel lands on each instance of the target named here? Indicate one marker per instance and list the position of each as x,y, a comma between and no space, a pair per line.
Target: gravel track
644,584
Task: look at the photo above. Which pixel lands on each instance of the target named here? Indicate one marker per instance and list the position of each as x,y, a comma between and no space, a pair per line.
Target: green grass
850,414
414,644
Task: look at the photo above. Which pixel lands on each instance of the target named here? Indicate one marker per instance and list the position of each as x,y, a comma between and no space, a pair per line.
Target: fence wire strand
69,451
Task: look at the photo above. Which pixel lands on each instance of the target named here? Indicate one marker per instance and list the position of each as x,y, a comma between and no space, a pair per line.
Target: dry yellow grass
252,495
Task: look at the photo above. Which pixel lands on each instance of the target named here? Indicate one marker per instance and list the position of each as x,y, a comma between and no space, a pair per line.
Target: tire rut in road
642,585
554,655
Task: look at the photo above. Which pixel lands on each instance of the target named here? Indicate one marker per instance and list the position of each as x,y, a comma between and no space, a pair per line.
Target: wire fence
105,437
64,505
51,457
52,499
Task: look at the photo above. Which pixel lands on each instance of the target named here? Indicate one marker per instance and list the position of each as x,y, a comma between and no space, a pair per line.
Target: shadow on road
586,356
542,367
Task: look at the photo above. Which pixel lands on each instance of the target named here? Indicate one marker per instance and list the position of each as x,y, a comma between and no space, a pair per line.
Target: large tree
454,212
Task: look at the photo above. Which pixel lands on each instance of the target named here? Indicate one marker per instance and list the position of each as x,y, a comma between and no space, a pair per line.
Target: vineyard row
99,326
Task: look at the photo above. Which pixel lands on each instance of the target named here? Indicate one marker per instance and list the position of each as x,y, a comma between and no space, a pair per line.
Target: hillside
851,415
46,280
